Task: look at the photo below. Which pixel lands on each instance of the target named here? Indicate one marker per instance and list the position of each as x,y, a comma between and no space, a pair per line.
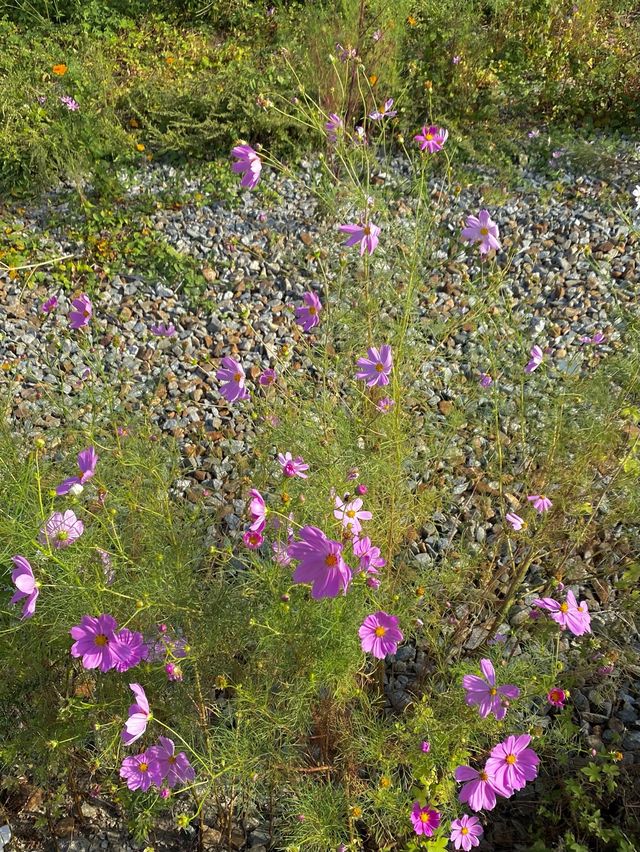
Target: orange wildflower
60,69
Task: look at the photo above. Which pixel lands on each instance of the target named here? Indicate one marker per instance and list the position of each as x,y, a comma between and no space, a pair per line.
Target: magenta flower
425,746
361,489
95,638
541,503
432,139
321,563
138,772
50,305
26,585
248,164
162,330
425,820
308,315
512,764
570,614
253,539
334,127
69,102
537,357
87,461
61,530
385,111
515,520
368,554
466,832
485,693
557,697
482,229
385,404
365,233
293,467
139,716
128,649
485,380
479,788
232,377
350,514
171,767
596,340
376,368
267,377
257,511
379,634
83,309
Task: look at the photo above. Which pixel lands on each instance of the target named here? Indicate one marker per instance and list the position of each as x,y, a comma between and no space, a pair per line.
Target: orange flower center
510,758
331,560
172,759
425,817
237,377
380,630
564,607
379,367
312,311
143,767
464,830
493,691
483,776
428,137
101,640
366,230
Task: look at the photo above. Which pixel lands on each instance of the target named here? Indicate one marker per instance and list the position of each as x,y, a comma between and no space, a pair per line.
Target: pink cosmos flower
163,330
376,368
479,788
173,672
70,103
432,139
385,111
173,768
267,377
50,305
334,126
87,461
425,820
257,511
83,309
485,380
293,467
138,772
253,539
537,357
482,229
139,716
95,638
466,832
321,563
248,164
485,693
379,634
515,520
556,697
61,530
232,378
512,764
425,746
541,503
351,513
308,315
456,59
569,614
26,585
361,489
129,649
365,233
596,340
368,554
385,404
281,551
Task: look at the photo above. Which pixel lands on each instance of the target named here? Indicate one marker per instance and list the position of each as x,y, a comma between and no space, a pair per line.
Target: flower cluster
102,646
156,766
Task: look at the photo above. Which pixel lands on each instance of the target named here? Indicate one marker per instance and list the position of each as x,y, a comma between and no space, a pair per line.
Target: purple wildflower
482,229
139,773
257,510
485,693
368,554
456,59
425,820
87,461
50,305
321,563
485,380
466,832
308,315
232,378
379,634
432,139
171,767
385,404
376,368
95,638
248,164
163,330
537,357
26,585
83,310
139,716
569,614
556,697
365,233
129,649
267,377
253,539
351,513
425,746
479,788
334,127
513,764
70,103
385,111
61,530
292,466
517,523
541,503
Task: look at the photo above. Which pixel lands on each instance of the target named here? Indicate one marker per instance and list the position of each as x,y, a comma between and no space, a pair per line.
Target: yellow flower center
63,535
331,560
484,231
350,513
237,377
510,758
493,691
143,767
564,607
379,367
101,640
312,311
380,630
464,830
428,136
425,817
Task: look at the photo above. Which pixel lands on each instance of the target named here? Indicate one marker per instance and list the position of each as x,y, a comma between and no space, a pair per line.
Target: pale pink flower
541,503
351,513
482,229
